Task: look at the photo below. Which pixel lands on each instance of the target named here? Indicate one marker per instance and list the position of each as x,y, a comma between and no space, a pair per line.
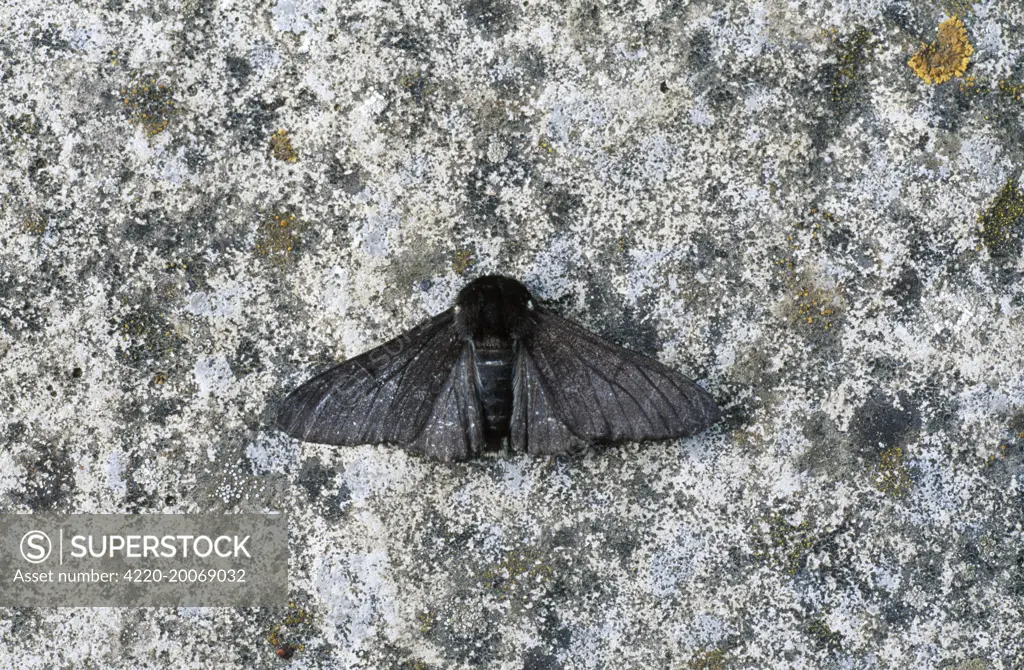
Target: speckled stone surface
205,201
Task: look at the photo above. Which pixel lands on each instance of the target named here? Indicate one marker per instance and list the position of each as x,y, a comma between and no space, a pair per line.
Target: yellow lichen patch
149,103
278,237
1011,89
947,57
892,477
36,223
999,224
463,261
283,637
281,147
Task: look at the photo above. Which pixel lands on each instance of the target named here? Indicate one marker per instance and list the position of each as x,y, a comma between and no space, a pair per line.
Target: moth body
496,367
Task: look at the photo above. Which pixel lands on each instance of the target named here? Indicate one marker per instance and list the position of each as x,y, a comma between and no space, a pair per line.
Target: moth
496,369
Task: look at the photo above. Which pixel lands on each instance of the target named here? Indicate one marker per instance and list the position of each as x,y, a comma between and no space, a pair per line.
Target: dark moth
496,366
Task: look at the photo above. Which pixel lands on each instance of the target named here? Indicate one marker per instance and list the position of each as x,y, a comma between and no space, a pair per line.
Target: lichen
150,338
852,52
281,147
519,568
945,58
278,237
149,103
35,223
999,225
287,637
707,659
824,636
892,477
464,259
418,85
785,545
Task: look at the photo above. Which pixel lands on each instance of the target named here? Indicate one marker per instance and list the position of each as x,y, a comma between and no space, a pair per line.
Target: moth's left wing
578,388
535,427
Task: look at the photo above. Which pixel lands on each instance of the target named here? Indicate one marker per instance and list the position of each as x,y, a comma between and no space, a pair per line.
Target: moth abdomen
494,360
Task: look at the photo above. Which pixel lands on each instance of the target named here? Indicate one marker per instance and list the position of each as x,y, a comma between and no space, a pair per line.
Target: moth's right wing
415,391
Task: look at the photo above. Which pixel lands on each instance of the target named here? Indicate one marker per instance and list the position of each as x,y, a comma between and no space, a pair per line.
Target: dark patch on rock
907,289
560,204
950,107
253,121
239,69
49,480
315,478
349,178
536,659
48,37
492,17
700,54
828,452
883,422
246,359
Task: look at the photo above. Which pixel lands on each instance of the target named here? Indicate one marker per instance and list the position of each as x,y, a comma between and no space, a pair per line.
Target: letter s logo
35,546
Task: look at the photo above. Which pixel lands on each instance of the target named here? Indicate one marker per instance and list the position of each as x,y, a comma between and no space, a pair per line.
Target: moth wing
534,426
602,392
385,395
455,429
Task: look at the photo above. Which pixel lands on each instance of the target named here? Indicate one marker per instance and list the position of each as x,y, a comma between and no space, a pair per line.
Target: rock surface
203,202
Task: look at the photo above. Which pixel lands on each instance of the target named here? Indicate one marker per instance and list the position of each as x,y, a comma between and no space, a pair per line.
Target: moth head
494,305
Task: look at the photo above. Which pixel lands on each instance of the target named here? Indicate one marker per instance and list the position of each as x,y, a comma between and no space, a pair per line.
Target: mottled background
203,201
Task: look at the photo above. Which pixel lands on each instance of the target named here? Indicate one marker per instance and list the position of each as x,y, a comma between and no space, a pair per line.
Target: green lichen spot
892,476
418,85
36,223
464,260
519,569
151,338
786,545
824,636
852,52
1000,225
